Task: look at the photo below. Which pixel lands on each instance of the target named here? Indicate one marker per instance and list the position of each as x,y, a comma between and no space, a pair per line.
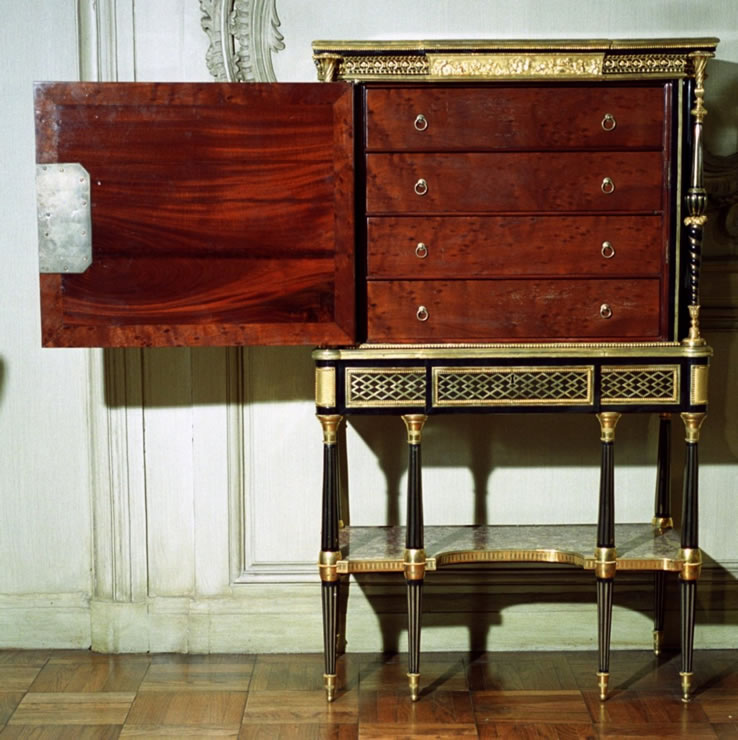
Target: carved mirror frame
243,34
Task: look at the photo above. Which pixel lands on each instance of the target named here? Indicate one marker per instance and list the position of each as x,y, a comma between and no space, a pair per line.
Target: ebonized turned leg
661,521
690,554
605,554
414,552
329,550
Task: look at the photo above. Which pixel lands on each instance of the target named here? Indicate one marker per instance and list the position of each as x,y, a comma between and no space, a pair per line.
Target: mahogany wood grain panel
222,214
501,310
496,246
505,118
514,182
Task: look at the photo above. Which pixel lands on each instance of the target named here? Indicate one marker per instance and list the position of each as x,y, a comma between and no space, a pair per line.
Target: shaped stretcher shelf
381,549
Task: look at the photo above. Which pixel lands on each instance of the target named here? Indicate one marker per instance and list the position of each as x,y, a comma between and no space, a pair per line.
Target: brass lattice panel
628,384
646,64
504,386
395,386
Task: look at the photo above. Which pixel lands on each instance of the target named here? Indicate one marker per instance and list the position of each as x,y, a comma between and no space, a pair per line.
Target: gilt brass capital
605,562
691,558
328,565
608,421
415,562
327,66
330,424
414,425
692,424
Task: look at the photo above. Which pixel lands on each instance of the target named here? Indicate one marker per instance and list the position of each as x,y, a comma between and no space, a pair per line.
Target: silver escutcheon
422,313
609,122
605,311
63,217
607,251
421,187
608,186
421,251
421,122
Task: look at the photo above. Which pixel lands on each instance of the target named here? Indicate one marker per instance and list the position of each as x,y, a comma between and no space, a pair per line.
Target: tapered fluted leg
604,626
330,636
690,554
414,612
329,550
414,552
661,521
605,554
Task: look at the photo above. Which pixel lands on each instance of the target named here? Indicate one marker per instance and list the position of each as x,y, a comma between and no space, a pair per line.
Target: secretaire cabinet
458,226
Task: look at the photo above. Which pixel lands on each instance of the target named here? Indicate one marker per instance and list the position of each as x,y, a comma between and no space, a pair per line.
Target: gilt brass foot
686,686
413,680
602,681
329,681
658,639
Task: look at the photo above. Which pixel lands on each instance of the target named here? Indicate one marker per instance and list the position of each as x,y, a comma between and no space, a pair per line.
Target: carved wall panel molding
106,51
243,34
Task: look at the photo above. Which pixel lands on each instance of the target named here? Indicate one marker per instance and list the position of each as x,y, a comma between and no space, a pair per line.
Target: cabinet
467,227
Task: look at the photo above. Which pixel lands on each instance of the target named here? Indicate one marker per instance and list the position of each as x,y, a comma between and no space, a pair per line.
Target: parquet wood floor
77,694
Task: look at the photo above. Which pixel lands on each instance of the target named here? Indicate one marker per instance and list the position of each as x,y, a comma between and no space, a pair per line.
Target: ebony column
690,554
330,553
605,555
414,552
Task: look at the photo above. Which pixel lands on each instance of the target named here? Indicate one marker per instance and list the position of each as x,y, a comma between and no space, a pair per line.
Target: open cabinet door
221,214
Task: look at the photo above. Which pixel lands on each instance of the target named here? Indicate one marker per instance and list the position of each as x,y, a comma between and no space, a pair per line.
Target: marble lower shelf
382,549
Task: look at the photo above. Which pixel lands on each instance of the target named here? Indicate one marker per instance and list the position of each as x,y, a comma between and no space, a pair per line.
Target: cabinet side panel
213,212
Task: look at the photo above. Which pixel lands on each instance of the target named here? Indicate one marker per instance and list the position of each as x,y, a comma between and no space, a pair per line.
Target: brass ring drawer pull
421,187
422,313
421,122
605,311
608,186
609,122
608,251
421,251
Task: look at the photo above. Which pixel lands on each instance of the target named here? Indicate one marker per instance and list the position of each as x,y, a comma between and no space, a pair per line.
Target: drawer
492,310
498,246
514,182
504,118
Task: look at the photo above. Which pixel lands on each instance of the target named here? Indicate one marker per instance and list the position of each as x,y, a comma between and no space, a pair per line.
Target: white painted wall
45,527
168,499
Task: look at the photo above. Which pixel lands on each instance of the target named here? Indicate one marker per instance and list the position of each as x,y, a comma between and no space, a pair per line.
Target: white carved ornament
243,34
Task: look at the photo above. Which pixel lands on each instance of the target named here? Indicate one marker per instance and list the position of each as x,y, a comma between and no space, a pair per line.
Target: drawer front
491,310
514,182
497,246
504,118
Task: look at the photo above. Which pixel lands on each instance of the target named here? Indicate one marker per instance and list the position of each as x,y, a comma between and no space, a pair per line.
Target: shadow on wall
2,379
721,101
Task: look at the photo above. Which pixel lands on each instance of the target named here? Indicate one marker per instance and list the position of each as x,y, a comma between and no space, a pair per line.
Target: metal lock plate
64,218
